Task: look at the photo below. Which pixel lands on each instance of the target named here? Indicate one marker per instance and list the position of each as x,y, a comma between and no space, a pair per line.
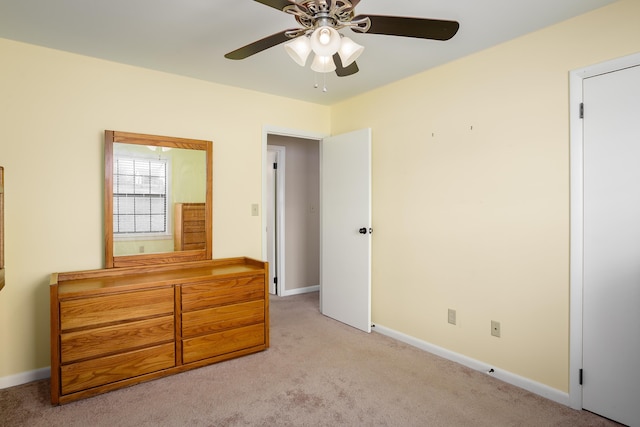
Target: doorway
605,280
292,211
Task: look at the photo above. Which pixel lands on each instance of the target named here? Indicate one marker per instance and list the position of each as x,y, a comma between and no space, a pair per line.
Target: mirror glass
157,199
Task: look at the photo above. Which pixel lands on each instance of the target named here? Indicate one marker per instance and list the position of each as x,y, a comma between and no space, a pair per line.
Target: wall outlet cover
495,328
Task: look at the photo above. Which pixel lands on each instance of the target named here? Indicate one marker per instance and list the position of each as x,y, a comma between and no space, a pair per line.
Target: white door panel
345,260
611,293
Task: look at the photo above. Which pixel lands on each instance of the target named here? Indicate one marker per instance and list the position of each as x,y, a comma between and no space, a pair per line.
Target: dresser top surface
99,281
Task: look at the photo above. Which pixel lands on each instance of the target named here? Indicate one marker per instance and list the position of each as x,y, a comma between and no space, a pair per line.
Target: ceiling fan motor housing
312,14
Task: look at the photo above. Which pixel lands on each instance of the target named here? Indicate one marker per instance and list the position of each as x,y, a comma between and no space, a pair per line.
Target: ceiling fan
320,21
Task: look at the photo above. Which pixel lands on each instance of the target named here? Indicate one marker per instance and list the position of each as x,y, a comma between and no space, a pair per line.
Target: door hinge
582,110
275,166
580,377
275,280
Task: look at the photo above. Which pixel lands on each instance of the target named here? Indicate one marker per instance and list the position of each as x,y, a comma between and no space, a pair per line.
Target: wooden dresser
117,327
190,231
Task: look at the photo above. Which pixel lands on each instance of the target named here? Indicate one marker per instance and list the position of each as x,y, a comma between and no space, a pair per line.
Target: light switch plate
452,316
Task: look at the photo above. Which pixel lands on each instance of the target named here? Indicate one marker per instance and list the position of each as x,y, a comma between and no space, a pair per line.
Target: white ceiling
190,37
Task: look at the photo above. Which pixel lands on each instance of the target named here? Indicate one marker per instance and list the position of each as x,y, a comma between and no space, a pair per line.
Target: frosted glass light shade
325,41
323,64
349,51
299,49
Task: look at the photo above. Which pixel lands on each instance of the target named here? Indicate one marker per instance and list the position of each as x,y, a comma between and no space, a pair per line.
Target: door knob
363,230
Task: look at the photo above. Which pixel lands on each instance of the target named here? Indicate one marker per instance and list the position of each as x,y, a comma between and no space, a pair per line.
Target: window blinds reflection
140,190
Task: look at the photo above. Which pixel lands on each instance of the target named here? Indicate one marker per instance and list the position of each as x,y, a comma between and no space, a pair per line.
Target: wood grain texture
267,325
109,309
108,198
96,372
206,346
190,226
219,292
54,321
106,281
204,253
116,327
220,318
96,342
158,140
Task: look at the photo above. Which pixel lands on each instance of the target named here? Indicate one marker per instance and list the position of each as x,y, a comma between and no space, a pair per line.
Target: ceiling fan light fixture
325,41
349,51
319,24
323,64
299,49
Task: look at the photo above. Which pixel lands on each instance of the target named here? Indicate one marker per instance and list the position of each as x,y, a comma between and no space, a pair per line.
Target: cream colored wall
471,194
54,109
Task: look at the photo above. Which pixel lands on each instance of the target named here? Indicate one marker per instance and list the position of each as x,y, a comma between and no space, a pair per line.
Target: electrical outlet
255,209
452,316
495,328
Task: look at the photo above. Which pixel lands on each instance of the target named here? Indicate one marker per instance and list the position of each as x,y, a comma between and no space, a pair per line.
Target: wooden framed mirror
157,199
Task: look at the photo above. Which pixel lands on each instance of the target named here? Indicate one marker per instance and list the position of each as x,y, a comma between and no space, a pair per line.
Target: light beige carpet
318,372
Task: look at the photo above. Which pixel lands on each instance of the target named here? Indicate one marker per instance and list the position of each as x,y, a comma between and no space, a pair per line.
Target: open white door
611,292
345,227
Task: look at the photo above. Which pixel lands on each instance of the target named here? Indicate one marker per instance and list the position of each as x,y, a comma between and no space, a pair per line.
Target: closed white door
611,293
345,260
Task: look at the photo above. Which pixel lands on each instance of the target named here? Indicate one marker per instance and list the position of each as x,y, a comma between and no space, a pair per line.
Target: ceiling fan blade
276,4
258,46
421,28
344,71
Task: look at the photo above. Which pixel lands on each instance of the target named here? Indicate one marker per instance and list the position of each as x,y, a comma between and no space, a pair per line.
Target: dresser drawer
218,292
193,240
115,339
222,342
193,212
223,317
98,310
105,370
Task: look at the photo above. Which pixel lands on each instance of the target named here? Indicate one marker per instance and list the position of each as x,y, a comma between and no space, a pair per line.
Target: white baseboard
24,377
508,377
298,291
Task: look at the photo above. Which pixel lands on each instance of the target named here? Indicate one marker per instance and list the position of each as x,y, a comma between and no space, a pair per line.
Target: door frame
576,78
293,133
279,219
